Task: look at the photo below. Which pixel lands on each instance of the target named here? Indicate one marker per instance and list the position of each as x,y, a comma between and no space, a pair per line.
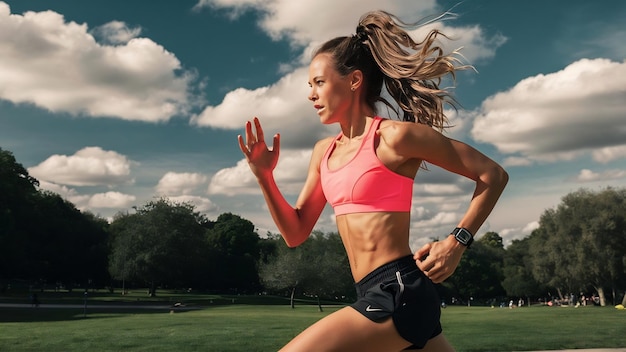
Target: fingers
251,139
259,131
242,145
423,252
276,143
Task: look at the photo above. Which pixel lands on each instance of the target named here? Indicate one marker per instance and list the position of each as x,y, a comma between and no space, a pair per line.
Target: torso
372,239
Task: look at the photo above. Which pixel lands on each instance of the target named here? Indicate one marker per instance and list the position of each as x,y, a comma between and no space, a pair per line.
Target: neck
354,130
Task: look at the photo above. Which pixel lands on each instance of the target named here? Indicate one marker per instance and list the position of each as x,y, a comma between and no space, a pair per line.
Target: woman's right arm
294,223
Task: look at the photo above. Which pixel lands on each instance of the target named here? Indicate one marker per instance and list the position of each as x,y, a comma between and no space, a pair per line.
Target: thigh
348,330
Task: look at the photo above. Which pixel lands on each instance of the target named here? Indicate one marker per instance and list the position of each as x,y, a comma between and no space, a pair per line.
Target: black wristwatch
463,235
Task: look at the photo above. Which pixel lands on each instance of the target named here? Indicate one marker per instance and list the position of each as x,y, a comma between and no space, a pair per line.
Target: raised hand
260,158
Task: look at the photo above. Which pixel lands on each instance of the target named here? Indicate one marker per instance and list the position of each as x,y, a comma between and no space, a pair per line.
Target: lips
318,108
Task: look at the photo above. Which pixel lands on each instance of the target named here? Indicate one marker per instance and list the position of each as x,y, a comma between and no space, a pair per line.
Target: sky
113,104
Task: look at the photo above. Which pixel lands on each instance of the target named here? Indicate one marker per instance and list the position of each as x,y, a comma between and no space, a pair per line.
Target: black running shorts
400,290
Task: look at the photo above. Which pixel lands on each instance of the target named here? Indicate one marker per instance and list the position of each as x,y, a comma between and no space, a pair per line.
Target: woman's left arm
439,259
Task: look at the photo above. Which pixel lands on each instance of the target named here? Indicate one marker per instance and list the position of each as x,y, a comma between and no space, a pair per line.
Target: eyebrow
315,78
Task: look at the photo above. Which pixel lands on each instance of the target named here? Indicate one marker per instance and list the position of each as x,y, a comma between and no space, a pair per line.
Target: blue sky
115,103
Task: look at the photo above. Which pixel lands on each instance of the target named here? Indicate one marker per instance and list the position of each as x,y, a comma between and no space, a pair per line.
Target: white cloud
116,32
290,174
516,161
283,107
59,66
89,166
107,200
201,204
174,184
111,200
587,175
559,116
606,155
234,180
304,22
518,233
65,192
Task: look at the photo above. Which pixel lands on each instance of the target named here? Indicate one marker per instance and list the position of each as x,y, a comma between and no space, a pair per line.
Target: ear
356,79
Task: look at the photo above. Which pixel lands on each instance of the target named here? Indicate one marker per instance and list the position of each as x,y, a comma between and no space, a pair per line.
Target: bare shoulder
320,148
401,133
322,144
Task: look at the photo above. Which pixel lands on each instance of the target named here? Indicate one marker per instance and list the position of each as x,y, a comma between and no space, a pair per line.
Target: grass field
219,325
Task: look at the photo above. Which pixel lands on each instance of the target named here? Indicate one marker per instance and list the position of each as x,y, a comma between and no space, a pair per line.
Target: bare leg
348,330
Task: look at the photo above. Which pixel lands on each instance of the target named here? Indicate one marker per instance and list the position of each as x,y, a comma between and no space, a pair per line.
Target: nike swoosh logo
370,309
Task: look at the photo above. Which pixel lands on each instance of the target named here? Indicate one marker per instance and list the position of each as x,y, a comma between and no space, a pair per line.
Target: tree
318,267
17,189
234,252
479,273
163,242
518,278
581,242
44,237
65,245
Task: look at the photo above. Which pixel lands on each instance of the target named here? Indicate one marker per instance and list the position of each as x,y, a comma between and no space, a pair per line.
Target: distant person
34,300
366,173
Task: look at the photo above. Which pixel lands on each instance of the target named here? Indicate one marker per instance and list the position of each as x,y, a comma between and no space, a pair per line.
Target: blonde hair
411,71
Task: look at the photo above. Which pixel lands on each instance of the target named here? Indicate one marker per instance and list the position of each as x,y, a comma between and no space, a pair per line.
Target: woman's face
330,92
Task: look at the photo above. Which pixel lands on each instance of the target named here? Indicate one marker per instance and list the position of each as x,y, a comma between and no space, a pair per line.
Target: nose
312,96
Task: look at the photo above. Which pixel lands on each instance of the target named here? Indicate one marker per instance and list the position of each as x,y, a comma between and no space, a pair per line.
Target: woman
366,173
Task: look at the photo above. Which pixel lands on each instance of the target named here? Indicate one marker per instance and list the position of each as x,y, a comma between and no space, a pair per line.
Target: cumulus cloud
59,66
111,200
304,22
290,174
90,166
201,204
518,233
116,32
608,154
234,180
283,106
561,115
173,183
65,192
183,187
107,200
447,220
587,175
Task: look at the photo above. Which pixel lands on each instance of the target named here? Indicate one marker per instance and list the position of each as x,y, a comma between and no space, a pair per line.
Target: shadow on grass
25,315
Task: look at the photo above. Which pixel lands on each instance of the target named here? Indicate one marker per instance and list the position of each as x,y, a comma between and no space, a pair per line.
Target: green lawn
249,326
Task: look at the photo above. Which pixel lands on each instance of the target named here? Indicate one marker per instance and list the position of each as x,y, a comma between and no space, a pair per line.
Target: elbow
500,177
294,240
494,178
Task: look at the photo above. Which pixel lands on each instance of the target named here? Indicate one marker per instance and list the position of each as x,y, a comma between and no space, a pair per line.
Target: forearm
489,187
285,216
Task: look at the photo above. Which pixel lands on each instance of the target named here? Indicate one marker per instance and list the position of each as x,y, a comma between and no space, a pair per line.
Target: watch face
463,236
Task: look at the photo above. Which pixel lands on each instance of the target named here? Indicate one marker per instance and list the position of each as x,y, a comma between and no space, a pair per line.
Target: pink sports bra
365,184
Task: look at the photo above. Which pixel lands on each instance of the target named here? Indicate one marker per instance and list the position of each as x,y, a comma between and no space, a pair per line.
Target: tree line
579,248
